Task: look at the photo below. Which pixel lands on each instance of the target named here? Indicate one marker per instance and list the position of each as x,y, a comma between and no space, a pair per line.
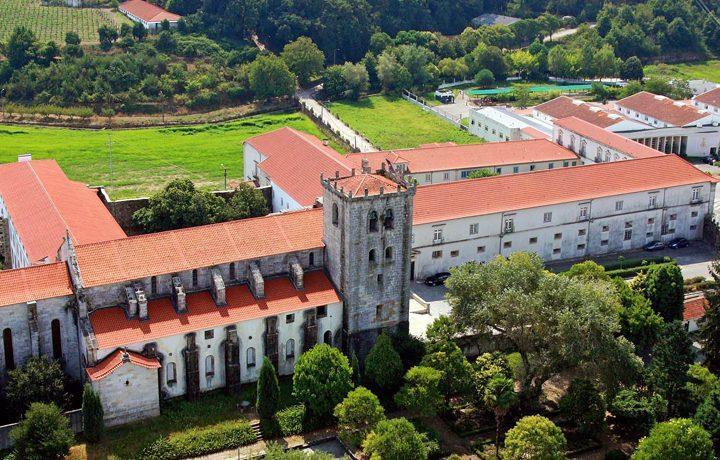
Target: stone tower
367,221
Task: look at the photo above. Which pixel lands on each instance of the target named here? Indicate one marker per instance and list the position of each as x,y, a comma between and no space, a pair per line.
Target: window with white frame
583,212
290,349
619,205
547,217
171,373
250,357
474,229
652,201
695,194
437,234
209,366
628,235
509,225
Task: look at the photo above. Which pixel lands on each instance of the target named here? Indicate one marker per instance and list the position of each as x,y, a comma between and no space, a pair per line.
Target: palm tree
500,396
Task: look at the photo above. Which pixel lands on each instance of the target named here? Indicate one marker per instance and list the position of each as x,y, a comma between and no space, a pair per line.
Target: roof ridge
49,197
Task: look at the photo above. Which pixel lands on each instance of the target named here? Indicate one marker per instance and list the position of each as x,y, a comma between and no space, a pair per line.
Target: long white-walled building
501,124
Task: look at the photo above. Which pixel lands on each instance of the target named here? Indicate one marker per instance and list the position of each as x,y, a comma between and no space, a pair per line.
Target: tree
165,25
599,91
588,270
485,78
671,359
107,36
355,366
500,397
663,286
534,437
322,379
487,367
92,411
449,359
676,438
383,366
556,323
268,391
523,63
584,406
166,42
559,62
701,382
708,415
636,411
72,38
356,79
487,57
421,393
441,330
485,172
247,201
632,69
39,380
334,82
270,77
180,205
395,439
303,58
710,327
358,414
522,96
640,324
139,31
21,47
44,433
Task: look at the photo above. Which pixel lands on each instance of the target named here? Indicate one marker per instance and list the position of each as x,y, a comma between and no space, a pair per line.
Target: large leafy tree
357,415
303,58
457,371
676,438
534,437
383,366
21,47
556,323
38,380
710,328
421,392
584,406
322,379
663,286
668,369
708,415
270,77
247,201
395,439
43,434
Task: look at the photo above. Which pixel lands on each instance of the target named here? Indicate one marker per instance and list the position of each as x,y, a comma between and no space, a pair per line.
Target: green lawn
144,160
393,123
705,70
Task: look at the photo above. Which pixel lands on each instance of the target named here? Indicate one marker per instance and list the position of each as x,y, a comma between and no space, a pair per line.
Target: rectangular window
580,247
437,235
652,201
695,194
507,244
380,279
651,221
693,227
509,225
551,165
547,217
556,251
558,236
378,311
533,240
618,205
474,229
454,253
603,242
565,164
480,249
694,214
232,270
532,167
583,212
673,216
209,334
574,163
446,176
290,318
436,254
628,224
582,232
516,169
649,235
498,170
628,235
321,311
428,177
464,174
605,228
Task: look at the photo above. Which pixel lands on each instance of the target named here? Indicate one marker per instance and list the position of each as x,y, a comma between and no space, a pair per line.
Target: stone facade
129,394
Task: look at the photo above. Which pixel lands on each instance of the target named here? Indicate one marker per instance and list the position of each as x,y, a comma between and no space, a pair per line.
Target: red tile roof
357,184
474,197
147,11
607,138
534,133
116,359
471,156
112,328
694,307
563,107
662,108
295,160
711,97
177,250
43,203
34,283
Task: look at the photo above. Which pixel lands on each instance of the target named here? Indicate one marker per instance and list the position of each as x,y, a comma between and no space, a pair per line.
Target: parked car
708,160
678,243
654,246
438,279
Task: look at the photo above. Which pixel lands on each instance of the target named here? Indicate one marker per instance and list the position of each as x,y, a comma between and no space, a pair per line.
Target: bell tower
367,221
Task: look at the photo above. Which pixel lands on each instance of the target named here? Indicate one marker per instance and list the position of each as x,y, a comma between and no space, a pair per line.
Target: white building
498,124
709,101
564,106
560,214
149,15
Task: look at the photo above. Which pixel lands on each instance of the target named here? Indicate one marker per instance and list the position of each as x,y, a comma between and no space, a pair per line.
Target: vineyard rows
52,22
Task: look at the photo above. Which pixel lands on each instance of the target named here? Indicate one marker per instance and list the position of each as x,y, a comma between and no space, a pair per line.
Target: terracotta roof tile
177,250
711,97
34,283
470,156
534,133
357,184
295,160
563,107
112,328
607,138
147,11
662,108
694,307
43,203
116,359
474,197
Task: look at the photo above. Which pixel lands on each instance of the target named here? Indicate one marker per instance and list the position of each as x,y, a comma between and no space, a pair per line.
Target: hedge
200,441
629,272
287,422
632,263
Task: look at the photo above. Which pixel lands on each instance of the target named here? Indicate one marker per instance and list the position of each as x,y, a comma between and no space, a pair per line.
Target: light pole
224,174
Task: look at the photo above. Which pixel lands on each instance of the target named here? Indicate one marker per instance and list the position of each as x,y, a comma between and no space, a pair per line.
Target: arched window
371,256
598,155
335,214
583,145
388,219
8,349
232,270
250,357
56,339
171,373
290,349
153,285
311,259
572,142
194,278
327,338
209,366
560,137
373,221
388,253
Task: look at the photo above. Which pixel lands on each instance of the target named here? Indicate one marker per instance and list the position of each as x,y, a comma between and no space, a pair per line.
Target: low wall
74,416
420,102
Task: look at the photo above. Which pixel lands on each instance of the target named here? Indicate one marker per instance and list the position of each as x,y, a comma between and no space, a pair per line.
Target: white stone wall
589,150
251,158
129,394
19,254
492,130
437,177
652,121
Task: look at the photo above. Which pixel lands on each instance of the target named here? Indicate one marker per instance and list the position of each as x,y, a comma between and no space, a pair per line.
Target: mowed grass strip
394,123
144,160
703,70
53,22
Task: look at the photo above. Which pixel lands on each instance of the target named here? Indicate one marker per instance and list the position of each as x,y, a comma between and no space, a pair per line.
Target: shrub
268,391
290,420
708,415
39,380
395,439
410,348
322,379
274,451
92,410
584,406
357,415
43,434
383,366
636,411
675,439
534,437
200,441
457,371
421,393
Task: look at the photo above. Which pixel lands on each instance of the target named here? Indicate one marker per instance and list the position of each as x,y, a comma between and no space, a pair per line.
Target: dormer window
388,219
373,221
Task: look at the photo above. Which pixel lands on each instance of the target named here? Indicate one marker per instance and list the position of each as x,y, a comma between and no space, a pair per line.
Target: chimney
132,307
142,301
218,288
326,142
257,283
178,294
296,274
25,157
365,166
125,356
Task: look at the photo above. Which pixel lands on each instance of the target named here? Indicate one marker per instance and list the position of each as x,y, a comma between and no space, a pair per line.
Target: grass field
52,22
393,123
144,160
705,70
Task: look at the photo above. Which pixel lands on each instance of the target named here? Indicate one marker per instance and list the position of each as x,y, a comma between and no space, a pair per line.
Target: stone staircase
257,430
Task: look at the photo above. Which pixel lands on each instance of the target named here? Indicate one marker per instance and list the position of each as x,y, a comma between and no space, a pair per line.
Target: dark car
678,243
654,246
438,279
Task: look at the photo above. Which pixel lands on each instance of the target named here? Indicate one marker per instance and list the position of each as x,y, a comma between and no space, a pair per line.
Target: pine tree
93,421
710,328
383,366
355,365
671,359
268,391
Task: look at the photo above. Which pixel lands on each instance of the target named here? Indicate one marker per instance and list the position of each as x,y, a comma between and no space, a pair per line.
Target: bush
322,379
39,380
383,366
268,391
92,410
290,420
637,412
675,439
43,434
410,348
200,441
584,406
534,437
358,415
395,439
708,415
421,393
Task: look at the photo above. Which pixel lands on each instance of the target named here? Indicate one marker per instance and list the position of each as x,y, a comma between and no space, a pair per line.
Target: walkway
354,139
258,449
